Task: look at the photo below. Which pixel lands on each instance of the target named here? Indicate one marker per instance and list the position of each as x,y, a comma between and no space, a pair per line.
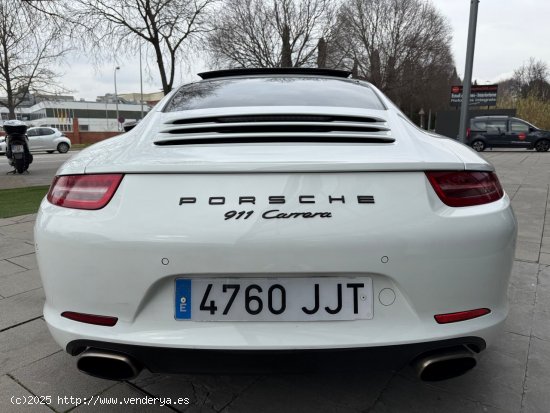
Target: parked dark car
505,132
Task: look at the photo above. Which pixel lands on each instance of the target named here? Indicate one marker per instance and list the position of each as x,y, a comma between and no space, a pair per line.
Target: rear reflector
461,315
100,320
83,191
465,188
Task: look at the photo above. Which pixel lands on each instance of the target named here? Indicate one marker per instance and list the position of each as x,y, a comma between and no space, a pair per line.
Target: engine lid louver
274,128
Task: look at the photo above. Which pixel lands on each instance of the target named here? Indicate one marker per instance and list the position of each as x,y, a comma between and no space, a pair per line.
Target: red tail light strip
461,315
100,320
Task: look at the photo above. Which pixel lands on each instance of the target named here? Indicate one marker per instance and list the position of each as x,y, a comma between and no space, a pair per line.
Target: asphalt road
41,171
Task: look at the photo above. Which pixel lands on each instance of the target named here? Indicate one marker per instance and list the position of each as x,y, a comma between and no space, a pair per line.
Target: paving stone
544,258
541,318
25,218
21,345
10,248
58,376
23,230
521,311
21,307
545,246
527,251
511,189
524,276
529,206
206,392
7,221
19,282
412,396
27,261
14,398
327,392
541,324
7,268
123,398
537,384
497,380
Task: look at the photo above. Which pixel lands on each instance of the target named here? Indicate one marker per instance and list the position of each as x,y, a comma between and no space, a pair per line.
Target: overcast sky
509,32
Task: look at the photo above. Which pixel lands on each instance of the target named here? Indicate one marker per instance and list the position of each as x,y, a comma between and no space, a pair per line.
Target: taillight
468,132
83,191
463,188
461,315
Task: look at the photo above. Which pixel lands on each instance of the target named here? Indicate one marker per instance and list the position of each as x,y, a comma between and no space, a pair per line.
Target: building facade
92,116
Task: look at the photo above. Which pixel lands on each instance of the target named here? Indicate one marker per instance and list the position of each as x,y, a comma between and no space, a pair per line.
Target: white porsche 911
272,211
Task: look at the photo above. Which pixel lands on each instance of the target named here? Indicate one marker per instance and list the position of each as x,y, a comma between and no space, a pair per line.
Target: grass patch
80,145
21,201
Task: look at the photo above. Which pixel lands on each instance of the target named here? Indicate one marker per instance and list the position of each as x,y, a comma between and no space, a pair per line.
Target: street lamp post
140,82
468,71
116,102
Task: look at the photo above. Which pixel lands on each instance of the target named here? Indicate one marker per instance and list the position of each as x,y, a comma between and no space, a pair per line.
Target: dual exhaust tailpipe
108,365
435,365
444,364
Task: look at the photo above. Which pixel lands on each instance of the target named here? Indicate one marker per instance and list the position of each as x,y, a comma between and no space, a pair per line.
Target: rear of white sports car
261,212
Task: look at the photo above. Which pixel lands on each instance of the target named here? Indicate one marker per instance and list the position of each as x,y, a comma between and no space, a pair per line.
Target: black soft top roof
275,71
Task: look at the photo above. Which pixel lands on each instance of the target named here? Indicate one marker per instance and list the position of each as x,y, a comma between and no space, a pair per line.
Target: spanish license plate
17,148
274,299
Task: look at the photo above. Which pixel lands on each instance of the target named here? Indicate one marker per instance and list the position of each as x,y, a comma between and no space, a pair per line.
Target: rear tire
478,145
542,146
19,165
63,147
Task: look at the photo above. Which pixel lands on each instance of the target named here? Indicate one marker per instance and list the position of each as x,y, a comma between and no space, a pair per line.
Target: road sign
121,119
480,95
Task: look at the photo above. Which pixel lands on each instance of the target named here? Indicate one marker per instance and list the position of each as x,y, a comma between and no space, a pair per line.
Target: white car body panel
125,258
413,150
363,233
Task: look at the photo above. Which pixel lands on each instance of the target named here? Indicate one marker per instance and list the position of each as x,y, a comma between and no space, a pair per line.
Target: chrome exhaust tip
107,365
444,364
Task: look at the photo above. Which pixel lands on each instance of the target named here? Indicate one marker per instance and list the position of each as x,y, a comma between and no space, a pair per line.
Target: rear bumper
180,361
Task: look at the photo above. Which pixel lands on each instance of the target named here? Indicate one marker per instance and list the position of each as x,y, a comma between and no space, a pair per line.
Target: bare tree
108,28
532,79
401,46
269,33
29,48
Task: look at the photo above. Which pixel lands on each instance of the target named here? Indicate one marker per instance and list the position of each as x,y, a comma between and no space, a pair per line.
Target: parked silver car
44,139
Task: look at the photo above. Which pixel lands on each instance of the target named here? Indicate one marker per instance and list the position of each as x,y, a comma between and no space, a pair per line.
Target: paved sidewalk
512,376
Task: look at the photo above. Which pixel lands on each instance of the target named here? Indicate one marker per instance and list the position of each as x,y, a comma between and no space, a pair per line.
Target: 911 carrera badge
277,199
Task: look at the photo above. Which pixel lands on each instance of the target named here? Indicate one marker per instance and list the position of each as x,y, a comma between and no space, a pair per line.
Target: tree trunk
166,86
322,53
375,69
286,53
355,69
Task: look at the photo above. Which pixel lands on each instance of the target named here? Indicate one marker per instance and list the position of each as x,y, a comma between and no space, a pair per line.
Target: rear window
496,125
479,124
274,91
